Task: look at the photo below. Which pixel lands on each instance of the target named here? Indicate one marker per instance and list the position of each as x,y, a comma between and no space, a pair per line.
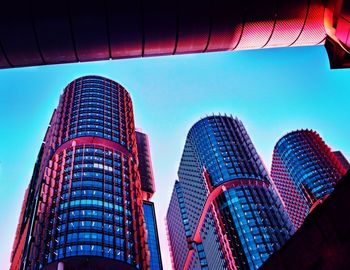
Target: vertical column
60,266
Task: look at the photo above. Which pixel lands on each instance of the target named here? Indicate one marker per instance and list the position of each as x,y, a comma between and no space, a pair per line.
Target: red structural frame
213,194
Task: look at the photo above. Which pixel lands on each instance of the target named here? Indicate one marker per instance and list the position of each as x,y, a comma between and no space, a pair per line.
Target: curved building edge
48,199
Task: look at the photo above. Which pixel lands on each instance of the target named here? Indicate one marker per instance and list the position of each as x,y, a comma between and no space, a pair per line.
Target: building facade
224,212
84,207
148,189
304,171
323,240
145,165
342,159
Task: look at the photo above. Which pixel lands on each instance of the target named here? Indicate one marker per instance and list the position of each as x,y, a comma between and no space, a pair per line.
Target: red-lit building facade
342,159
323,241
305,171
84,206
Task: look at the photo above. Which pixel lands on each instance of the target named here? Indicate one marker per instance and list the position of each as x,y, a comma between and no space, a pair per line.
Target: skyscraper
342,159
148,189
84,207
224,212
145,165
304,171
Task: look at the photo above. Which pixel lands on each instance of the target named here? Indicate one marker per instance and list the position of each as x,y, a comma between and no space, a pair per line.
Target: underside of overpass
42,32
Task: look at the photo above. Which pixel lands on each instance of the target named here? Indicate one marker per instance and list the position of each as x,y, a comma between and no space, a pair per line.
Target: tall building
84,206
145,165
224,212
342,159
148,189
304,171
323,241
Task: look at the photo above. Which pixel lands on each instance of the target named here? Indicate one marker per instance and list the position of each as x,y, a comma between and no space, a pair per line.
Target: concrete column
60,266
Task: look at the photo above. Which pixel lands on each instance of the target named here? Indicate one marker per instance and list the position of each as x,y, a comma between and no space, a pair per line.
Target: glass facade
235,214
152,236
180,234
253,213
176,231
145,165
95,213
85,197
304,171
91,106
226,150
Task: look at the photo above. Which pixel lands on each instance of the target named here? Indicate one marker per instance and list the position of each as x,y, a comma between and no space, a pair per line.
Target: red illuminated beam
40,32
214,193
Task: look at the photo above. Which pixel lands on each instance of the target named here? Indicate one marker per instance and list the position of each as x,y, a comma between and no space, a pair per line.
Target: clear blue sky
272,91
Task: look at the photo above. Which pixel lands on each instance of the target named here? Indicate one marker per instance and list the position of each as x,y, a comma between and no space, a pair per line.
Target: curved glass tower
305,171
86,197
234,217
